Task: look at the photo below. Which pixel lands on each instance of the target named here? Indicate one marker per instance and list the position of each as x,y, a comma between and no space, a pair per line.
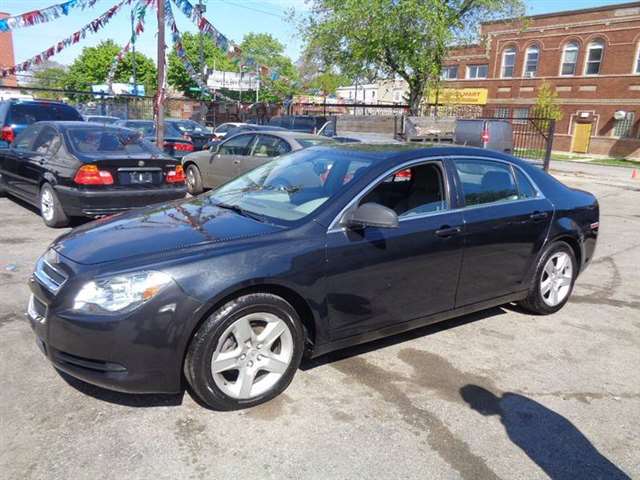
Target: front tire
245,353
194,180
553,284
51,209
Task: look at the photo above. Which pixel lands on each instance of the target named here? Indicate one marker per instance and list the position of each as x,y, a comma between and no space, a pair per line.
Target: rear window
148,129
189,126
92,141
312,142
28,113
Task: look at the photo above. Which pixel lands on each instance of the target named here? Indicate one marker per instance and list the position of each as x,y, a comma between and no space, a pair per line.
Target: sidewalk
599,173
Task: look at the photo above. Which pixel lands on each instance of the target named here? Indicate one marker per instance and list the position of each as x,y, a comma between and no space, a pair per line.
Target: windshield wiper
241,211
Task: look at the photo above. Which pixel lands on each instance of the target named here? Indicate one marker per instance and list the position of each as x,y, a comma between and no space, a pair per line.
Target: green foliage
328,82
92,67
409,38
546,107
268,51
52,77
214,58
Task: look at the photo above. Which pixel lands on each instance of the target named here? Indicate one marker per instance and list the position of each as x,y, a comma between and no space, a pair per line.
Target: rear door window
485,181
26,139
525,188
47,142
238,145
270,146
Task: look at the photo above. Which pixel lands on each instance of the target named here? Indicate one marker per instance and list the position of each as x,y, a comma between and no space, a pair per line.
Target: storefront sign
460,96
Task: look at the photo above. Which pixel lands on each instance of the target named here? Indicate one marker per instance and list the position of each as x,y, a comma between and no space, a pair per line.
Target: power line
281,16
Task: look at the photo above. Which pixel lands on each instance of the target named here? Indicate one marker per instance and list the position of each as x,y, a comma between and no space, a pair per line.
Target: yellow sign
460,96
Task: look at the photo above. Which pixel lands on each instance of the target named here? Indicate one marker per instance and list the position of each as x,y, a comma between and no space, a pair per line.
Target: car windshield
293,186
190,126
312,142
148,129
109,141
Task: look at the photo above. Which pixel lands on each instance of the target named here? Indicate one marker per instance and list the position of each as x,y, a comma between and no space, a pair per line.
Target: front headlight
121,293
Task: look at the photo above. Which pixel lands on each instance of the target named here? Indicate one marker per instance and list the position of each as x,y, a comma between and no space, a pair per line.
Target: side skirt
413,324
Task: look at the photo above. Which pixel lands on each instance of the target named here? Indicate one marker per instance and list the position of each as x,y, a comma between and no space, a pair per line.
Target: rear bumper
94,203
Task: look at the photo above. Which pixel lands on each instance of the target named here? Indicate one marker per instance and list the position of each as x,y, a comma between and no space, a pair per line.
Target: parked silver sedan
241,153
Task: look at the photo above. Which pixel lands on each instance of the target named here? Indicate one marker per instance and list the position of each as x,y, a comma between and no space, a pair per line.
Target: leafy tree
409,38
214,58
92,67
327,82
546,107
51,77
283,79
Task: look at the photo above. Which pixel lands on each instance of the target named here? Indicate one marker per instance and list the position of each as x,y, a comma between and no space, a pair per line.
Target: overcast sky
234,18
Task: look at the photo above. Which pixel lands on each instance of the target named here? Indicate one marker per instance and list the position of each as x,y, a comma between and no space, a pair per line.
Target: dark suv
16,115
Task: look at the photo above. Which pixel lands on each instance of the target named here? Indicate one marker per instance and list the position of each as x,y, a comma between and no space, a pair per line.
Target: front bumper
138,352
95,203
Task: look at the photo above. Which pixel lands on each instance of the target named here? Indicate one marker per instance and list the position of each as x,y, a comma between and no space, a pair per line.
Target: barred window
520,115
622,128
501,112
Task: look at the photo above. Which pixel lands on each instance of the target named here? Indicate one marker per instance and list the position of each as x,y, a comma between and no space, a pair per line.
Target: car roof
65,124
409,151
35,101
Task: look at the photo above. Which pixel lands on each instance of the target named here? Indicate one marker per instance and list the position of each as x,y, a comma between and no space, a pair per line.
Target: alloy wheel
556,279
252,355
46,204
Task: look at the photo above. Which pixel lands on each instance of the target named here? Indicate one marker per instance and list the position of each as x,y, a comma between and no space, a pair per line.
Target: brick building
6,54
590,57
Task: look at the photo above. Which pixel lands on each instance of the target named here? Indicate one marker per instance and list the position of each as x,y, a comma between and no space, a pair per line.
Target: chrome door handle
446,231
538,216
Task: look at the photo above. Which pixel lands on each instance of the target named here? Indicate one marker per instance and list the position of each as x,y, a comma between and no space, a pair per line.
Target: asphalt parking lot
501,394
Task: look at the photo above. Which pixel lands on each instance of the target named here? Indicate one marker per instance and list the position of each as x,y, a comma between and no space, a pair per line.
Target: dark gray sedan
240,154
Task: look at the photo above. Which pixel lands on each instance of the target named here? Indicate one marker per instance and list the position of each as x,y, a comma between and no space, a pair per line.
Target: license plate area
137,178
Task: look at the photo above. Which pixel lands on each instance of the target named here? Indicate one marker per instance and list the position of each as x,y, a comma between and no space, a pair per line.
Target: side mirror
371,215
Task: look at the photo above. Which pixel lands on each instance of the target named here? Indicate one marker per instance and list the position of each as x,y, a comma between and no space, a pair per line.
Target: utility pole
257,83
160,94
201,8
133,53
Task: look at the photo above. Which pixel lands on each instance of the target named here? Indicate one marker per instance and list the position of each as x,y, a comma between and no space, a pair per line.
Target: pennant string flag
44,15
92,27
139,13
182,55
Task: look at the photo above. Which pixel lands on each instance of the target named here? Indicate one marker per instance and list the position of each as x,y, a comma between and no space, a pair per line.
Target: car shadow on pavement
308,364
124,399
546,437
73,222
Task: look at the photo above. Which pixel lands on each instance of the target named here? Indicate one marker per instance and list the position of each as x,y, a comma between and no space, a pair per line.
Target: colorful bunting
91,27
43,16
139,12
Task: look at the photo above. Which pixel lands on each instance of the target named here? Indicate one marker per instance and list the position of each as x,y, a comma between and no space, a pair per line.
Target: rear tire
51,209
554,279
194,180
245,353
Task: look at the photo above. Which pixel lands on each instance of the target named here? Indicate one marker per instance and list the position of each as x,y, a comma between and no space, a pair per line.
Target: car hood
158,229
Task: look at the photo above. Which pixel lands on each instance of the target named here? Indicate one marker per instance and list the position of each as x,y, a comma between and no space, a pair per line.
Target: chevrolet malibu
318,250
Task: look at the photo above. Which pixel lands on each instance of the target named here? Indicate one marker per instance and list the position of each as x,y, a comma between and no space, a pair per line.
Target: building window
570,58
637,65
477,71
595,53
622,128
508,62
449,72
501,112
520,115
531,61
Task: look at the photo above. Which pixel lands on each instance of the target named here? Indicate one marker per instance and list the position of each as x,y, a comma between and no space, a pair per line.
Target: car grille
50,277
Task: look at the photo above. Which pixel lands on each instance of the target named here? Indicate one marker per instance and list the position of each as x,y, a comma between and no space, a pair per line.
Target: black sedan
176,143
199,135
78,169
318,250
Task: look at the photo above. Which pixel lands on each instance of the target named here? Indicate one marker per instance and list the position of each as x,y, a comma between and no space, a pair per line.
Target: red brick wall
617,87
6,53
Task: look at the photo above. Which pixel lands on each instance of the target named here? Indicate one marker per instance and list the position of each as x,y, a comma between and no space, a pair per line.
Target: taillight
176,175
7,134
485,135
92,175
403,175
179,147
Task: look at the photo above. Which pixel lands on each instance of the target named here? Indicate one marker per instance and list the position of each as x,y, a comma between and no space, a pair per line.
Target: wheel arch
573,242
297,301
